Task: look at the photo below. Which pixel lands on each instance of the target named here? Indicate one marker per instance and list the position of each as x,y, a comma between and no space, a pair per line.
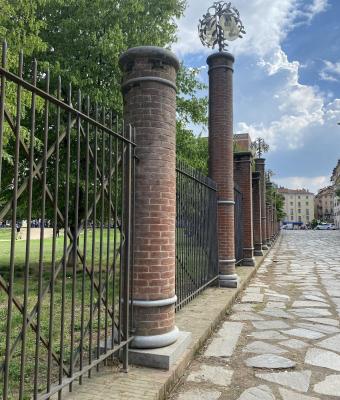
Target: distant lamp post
260,147
221,23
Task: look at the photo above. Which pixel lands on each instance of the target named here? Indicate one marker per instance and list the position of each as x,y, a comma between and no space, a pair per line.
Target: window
299,210
299,204
292,218
307,204
291,212
298,197
307,211
307,218
291,203
299,218
307,197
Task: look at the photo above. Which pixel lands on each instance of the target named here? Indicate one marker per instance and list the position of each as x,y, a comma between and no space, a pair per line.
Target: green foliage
191,109
314,223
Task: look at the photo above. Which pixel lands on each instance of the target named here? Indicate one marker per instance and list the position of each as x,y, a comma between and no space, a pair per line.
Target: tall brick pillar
268,241
260,167
269,217
221,159
257,214
243,177
149,93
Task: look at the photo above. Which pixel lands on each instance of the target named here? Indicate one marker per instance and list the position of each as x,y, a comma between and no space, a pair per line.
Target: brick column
243,177
270,213
257,214
260,167
221,159
149,93
268,241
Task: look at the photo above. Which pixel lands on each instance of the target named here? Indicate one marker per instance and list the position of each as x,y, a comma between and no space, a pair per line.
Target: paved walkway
282,339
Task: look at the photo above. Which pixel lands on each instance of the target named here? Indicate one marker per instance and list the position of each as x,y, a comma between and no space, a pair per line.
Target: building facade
324,204
298,205
336,187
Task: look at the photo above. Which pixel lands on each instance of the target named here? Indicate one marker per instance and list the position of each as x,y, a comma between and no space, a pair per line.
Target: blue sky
286,82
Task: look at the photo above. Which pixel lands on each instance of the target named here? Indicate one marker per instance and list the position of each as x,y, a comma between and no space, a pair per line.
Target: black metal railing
196,233
238,225
66,214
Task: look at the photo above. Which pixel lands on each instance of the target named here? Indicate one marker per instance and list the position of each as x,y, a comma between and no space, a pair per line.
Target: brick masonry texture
260,167
243,177
150,106
257,212
221,151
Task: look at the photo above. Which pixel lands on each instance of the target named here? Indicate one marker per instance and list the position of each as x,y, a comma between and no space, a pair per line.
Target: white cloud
330,71
313,184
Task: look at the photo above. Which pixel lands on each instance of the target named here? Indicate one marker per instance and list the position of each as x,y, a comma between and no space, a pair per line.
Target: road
282,338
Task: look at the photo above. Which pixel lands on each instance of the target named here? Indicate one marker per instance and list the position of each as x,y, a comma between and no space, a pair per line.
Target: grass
75,288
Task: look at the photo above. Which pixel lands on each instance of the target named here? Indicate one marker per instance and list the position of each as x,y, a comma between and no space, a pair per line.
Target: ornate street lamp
221,23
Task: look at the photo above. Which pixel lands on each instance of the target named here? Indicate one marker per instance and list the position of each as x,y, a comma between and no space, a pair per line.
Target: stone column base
249,262
155,341
258,253
229,281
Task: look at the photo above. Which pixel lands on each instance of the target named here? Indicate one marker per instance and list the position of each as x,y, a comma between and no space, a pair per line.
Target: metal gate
196,233
238,221
66,207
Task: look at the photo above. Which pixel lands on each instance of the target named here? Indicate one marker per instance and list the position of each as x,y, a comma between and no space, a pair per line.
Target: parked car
325,227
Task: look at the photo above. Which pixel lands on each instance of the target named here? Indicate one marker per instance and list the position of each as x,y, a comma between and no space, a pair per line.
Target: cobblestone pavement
282,338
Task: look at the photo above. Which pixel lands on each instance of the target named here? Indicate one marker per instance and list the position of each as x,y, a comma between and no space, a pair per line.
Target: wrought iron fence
66,214
196,233
238,222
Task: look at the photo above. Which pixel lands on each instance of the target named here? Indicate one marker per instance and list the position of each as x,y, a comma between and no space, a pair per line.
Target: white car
325,227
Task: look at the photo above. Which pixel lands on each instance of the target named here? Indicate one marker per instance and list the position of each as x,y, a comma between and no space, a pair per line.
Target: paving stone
271,335
246,316
243,307
276,304
319,327
294,344
263,348
314,298
290,395
252,298
224,343
212,374
294,380
304,333
325,321
272,312
323,358
311,312
261,392
329,387
306,303
332,343
270,361
276,324
199,394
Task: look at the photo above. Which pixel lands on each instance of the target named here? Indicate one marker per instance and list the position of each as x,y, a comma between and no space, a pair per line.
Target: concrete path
282,339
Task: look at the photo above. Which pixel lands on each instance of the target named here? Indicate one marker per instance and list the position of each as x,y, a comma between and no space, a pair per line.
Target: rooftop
283,190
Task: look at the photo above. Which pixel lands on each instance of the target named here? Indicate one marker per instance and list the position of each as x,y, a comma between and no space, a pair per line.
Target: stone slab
325,321
225,341
303,333
215,375
294,380
199,394
332,343
294,344
261,392
259,347
323,358
270,335
329,387
270,361
163,357
319,327
290,395
252,298
275,324
307,303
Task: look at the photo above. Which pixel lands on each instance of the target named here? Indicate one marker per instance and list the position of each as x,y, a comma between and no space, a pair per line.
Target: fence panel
196,233
238,222
66,207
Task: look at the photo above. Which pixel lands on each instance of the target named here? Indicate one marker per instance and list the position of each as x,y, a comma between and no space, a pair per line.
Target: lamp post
220,24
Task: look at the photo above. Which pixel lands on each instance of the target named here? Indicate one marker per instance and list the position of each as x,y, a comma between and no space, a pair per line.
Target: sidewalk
200,317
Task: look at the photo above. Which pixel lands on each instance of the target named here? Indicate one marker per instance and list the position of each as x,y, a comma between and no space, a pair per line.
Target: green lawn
79,302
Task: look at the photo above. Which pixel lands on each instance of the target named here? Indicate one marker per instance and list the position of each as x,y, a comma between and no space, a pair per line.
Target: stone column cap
149,51
260,160
220,54
256,174
240,154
